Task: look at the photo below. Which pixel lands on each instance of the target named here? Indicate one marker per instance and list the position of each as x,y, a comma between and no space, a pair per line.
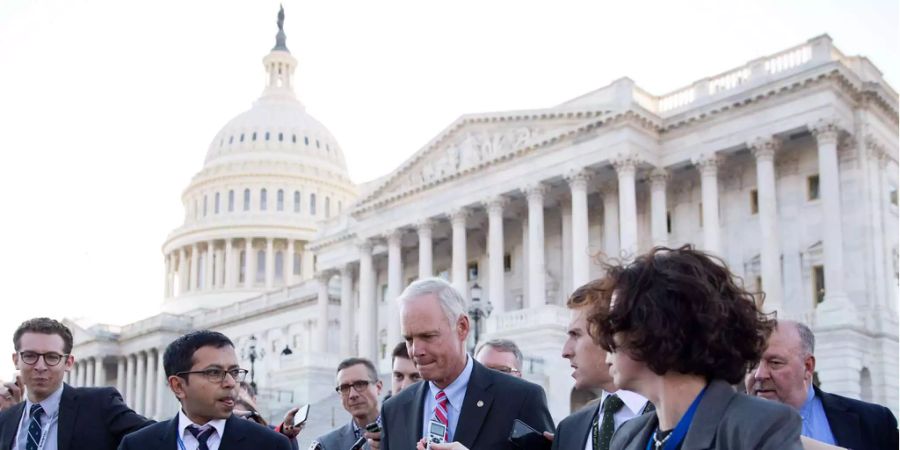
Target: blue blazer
239,434
98,414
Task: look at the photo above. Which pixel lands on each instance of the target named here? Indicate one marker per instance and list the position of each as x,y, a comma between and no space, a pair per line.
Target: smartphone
302,415
523,436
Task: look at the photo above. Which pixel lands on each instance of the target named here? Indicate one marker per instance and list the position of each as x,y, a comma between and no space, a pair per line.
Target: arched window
279,265
296,201
267,135
340,207
196,210
262,199
297,262
317,144
260,266
865,385
306,140
327,207
217,203
242,137
280,137
294,138
204,205
246,199
231,200
280,200
242,275
312,204
254,136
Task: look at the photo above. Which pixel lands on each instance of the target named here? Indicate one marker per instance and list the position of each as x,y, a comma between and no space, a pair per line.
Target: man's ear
70,362
810,365
15,358
462,326
378,385
178,386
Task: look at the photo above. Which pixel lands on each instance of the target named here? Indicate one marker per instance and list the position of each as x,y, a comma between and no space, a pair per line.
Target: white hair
451,301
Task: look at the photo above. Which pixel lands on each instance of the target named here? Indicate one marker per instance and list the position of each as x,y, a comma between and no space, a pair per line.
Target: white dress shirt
190,442
49,422
456,395
634,405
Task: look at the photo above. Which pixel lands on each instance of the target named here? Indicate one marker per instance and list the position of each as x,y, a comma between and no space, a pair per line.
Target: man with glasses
55,416
202,371
502,355
359,387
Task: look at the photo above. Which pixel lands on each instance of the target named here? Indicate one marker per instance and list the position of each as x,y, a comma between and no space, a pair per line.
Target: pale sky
107,107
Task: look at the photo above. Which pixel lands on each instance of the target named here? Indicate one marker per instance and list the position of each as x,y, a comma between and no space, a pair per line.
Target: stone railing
303,360
261,303
157,322
540,317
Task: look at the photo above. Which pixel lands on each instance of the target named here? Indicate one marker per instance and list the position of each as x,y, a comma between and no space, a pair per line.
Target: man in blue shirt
785,375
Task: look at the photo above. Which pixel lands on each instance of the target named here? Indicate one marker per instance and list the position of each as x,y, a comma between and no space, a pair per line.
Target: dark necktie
602,430
201,436
34,427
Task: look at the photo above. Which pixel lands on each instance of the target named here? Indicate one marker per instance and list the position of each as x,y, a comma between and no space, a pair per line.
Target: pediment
473,142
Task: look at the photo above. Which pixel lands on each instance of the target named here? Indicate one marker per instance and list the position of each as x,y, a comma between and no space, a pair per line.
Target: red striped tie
440,412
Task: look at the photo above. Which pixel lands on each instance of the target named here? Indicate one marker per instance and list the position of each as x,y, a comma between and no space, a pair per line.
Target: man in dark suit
592,427
359,387
785,375
63,417
202,371
477,405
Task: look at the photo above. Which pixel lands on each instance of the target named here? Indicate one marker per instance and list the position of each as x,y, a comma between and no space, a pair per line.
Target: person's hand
6,398
549,436
445,446
15,390
374,439
287,425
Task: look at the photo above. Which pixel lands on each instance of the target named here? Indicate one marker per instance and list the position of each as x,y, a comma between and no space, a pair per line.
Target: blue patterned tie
34,427
201,436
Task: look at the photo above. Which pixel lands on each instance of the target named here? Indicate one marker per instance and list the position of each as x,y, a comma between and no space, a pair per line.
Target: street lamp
478,310
251,352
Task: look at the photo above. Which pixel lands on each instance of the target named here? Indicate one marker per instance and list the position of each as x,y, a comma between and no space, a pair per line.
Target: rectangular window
262,200
507,262
472,271
754,201
280,200
892,195
700,210
327,207
668,222
818,281
296,201
204,206
216,206
812,187
260,266
243,268
246,199
312,204
383,293
297,261
231,201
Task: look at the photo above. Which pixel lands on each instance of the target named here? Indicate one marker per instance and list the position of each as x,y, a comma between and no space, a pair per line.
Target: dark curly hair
680,310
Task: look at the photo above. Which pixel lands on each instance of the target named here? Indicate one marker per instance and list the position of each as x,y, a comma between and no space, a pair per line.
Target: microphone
371,428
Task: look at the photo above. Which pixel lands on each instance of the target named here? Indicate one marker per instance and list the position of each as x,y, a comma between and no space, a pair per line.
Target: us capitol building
786,167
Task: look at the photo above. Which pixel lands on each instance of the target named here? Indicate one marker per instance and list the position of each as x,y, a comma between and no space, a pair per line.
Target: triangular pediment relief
474,141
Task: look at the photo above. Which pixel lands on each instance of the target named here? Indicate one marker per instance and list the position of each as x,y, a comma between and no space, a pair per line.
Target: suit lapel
582,424
475,406
844,423
414,414
169,438
232,435
639,440
68,412
702,431
11,425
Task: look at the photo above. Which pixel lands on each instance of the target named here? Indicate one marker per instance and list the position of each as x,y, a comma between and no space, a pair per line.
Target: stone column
195,256
423,229
709,188
658,226
580,245
537,290
141,383
626,167
368,327
120,375
231,267
836,300
306,264
99,372
151,383
497,291
610,194
458,273
346,311
289,262
770,246
395,285
208,267
249,264
79,374
161,383
89,372
321,342
270,263
129,380
182,271
526,279
875,162
167,291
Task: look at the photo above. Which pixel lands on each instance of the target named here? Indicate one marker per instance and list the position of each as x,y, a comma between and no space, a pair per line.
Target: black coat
239,434
859,425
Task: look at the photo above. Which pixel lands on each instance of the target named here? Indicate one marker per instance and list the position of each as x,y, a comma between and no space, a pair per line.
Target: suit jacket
338,439
572,432
725,420
239,434
493,400
99,415
859,425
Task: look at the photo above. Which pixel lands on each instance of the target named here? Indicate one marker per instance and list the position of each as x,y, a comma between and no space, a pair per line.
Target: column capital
323,276
626,163
826,130
496,204
364,245
610,187
393,237
707,163
764,148
578,179
346,270
458,215
535,190
875,148
424,226
658,178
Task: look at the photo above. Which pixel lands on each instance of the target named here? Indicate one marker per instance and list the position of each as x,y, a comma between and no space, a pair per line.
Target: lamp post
478,310
252,353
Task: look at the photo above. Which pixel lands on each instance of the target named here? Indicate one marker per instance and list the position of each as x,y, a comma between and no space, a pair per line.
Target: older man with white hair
476,405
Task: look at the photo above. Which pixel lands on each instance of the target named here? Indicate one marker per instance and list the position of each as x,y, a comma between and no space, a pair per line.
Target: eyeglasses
505,369
218,375
359,386
51,359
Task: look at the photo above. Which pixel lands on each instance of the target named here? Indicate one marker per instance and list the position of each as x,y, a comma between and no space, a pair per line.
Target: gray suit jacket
338,439
725,420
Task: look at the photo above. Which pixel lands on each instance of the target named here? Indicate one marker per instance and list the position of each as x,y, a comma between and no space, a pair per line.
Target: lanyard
180,442
681,429
45,430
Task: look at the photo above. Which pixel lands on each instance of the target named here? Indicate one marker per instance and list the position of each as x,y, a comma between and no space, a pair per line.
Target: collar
357,430
633,401
456,391
50,404
184,422
807,409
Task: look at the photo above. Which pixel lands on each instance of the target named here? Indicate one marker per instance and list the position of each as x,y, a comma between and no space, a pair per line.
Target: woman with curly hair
680,330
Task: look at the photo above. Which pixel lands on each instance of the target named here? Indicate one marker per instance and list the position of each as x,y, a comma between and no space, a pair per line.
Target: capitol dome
271,175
